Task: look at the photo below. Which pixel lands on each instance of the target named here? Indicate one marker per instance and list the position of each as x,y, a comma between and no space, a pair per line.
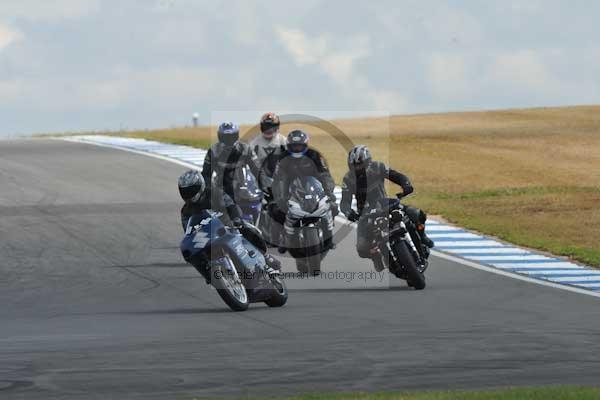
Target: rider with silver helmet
227,155
269,143
365,180
300,161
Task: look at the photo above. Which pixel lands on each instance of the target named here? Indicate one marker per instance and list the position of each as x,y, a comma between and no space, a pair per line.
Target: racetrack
97,303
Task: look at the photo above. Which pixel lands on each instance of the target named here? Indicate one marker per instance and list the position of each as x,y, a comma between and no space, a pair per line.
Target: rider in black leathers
301,161
365,181
224,157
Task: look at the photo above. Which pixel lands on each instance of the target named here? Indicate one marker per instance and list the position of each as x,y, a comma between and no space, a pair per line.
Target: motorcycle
231,260
308,207
399,244
248,195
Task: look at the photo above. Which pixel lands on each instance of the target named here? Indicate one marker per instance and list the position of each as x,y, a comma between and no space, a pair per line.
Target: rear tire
280,293
414,277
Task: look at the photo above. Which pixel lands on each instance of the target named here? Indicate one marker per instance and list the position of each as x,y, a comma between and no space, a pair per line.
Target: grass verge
545,393
531,177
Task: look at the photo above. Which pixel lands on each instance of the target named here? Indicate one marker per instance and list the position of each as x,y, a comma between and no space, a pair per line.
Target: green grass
545,393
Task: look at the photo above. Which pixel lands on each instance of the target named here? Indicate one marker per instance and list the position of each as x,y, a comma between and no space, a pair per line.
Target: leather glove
334,209
237,222
352,216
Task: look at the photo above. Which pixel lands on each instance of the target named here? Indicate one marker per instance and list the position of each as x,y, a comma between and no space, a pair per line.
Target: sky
92,65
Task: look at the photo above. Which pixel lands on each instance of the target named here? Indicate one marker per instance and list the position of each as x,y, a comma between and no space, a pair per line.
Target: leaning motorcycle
399,244
232,262
309,208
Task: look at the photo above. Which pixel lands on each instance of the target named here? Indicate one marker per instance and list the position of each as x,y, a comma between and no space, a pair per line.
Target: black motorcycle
399,244
232,260
309,208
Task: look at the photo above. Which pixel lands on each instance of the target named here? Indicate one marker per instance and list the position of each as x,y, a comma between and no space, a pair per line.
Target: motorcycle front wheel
414,277
313,248
229,285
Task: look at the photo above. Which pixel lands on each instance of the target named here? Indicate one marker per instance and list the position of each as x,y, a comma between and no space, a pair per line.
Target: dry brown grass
529,176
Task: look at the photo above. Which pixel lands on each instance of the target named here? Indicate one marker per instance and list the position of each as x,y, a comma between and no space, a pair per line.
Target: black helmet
191,185
297,143
228,133
359,156
269,124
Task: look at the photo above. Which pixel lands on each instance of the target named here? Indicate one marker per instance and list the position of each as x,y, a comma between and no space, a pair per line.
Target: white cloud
303,50
8,36
333,57
337,58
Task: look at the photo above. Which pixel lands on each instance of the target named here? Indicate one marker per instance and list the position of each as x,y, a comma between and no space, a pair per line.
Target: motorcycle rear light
421,227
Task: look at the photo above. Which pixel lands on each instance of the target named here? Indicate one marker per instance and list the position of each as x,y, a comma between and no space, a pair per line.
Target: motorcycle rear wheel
280,293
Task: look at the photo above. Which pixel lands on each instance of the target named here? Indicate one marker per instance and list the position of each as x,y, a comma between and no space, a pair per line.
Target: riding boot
377,259
424,238
272,262
378,263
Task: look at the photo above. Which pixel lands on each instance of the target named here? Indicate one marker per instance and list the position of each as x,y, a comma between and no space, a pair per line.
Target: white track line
514,276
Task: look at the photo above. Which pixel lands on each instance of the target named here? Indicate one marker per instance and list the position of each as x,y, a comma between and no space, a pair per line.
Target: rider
269,144
224,157
198,197
365,181
301,161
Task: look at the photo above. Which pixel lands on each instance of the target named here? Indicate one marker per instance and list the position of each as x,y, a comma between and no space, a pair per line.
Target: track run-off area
98,303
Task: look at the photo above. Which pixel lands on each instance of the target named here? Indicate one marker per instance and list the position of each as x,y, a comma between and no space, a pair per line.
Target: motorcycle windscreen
246,186
307,192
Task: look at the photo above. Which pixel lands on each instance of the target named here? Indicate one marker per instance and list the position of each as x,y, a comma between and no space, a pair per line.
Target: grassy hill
529,176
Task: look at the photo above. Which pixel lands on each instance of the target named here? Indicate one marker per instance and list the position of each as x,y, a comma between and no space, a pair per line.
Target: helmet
191,185
228,133
359,156
269,124
297,143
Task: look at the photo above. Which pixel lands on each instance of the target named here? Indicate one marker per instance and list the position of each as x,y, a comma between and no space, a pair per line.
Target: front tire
414,277
313,249
230,287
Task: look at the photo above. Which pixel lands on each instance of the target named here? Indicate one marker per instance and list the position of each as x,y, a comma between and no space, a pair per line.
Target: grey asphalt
95,302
